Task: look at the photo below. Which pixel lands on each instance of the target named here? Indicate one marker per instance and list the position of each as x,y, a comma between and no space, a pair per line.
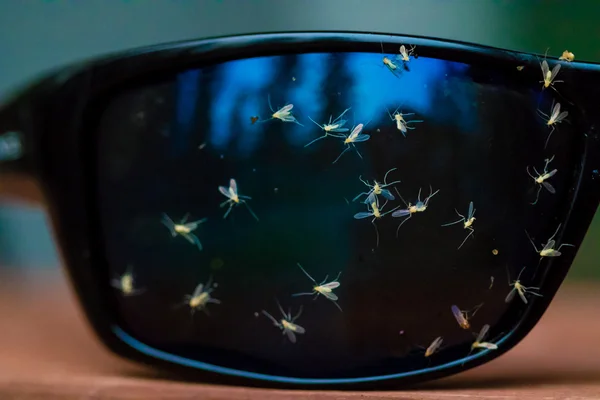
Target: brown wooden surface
48,352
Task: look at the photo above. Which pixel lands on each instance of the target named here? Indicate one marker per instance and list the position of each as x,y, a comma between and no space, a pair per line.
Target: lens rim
66,103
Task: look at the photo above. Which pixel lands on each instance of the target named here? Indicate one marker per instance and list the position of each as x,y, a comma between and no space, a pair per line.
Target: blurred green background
36,35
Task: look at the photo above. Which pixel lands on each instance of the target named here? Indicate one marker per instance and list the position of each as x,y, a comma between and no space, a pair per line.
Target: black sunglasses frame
51,115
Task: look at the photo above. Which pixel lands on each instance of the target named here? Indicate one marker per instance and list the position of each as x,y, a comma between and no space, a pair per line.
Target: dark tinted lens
201,181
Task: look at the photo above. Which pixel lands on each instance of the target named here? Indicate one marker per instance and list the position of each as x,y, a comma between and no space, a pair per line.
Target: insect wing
471,211
545,69
198,290
290,335
550,174
331,285
554,72
356,131
363,215
296,328
361,138
561,116
233,186
387,194
549,245
460,318
487,345
434,346
285,109
225,191
549,187
330,296
555,112
510,295
400,213
522,295
482,333
371,198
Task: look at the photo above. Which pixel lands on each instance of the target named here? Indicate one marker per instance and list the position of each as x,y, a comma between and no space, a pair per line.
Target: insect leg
402,223
303,294
250,210
376,232
537,197
455,222
463,242
341,154
315,140
228,210
548,138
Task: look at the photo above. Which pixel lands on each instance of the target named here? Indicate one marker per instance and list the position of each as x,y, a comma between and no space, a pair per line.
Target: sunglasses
313,209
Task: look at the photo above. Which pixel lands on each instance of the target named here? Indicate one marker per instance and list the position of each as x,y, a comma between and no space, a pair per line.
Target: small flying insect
332,128
520,67
233,198
325,289
376,213
405,54
479,343
201,297
542,178
548,250
286,324
517,287
549,77
377,189
401,123
491,282
390,65
410,209
463,317
253,119
183,228
354,137
467,222
126,283
283,114
434,346
556,117
567,56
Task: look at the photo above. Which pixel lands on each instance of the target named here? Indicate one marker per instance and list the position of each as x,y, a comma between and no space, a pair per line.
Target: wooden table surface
48,352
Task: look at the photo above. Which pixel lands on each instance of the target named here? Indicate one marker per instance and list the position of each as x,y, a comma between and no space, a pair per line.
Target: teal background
37,35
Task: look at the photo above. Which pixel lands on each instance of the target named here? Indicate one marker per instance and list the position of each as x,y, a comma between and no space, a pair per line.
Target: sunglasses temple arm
17,171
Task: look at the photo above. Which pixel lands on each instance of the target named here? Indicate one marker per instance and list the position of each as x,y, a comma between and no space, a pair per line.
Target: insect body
354,137
374,212
284,113
234,199
126,284
401,123
467,222
567,56
184,229
201,297
517,287
410,209
332,128
286,324
377,189
479,342
542,178
390,65
463,317
325,289
405,54
434,346
548,250
553,119
549,77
